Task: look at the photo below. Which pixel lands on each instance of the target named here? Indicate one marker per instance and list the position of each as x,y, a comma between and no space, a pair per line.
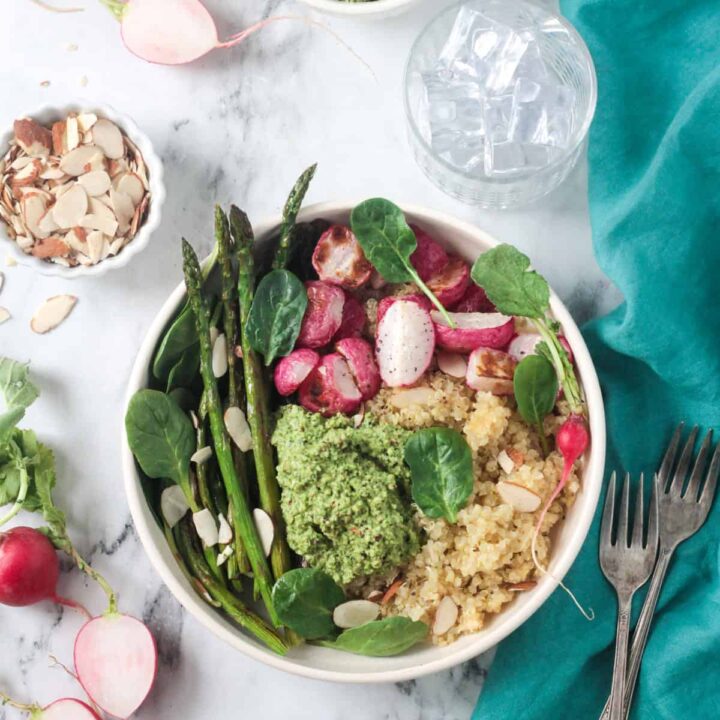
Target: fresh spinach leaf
536,385
185,369
15,384
442,472
276,314
179,342
305,599
160,436
381,638
503,272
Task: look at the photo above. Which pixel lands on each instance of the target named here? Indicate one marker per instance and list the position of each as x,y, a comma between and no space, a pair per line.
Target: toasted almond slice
21,162
123,208
61,189
52,172
72,134
446,616
139,214
505,462
33,138
71,207
219,356
28,174
238,429
4,315
59,137
353,613
96,182
225,533
265,528
117,167
452,364
131,184
100,217
49,248
82,159
51,313
201,455
105,200
77,240
173,505
86,120
107,136
34,207
206,527
518,496
95,246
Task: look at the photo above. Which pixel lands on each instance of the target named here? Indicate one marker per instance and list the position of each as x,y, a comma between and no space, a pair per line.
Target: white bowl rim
563,557
155,180
359,9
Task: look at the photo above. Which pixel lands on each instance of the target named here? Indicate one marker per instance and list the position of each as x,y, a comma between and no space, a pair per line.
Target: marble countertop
237,126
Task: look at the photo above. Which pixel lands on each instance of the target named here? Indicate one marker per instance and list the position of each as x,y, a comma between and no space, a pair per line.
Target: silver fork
627,567
681,514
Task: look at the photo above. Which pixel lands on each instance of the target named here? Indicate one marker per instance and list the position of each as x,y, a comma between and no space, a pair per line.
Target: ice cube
503,58
525,90
469,154
532,65
442,113
444,140
469,117
503,158
528,123
539,156
496,116
559,108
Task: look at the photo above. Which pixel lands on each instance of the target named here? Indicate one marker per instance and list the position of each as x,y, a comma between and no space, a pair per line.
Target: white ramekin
50,113
375,9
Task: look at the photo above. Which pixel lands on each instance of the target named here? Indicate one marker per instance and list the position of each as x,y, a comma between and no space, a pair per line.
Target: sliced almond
2,280
505,462
47,224
412,396
51,313
107,136
49,248
206,527
518,497
101,218
219,356
265,528
238,429
26,242
123,208
354,613
173,505
131,184
201,455
28,174
59,138
82,160
96,182
4,315
452,364
52,172
71,207
522,586
32,137
391,591
95,246
72,133
224,556
21,162
33,208
76,238
117,167
225,533
86,120
446,616
139,214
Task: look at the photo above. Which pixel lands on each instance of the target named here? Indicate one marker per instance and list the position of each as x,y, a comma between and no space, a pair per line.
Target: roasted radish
450,284
523,345
430,258
492,330
386,302
330,389
323,316
361,360
491,371
404,344
474,300
353,319
293,369
339,259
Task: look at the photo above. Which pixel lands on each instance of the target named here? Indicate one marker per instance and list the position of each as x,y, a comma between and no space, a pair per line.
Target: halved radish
523,345
293,369
474,300
405,343
450,285
493,330
360,359
353,318
323,316
330,389
67,709
116,662
430,258
491,371
339,259
452,364
386,302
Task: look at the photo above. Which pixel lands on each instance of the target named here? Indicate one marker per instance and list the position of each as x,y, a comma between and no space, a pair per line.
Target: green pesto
344,493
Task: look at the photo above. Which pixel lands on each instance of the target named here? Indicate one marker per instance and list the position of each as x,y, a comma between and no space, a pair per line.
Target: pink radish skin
429,258
330,388
339,259
116,663
523,345
490,371
566,345
293,369
67,709
405,344
323,316
452,364
474,300
360,359
387,302
377,281
353,319
492,330
450,285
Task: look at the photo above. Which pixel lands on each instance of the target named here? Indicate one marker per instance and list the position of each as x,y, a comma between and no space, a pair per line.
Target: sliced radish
430,258
330,388
405,343
386,302
116,663
68,709
452,364
293,369
493,330
523,345
323,316
353,318
490,371
339,259
474,300
450,285
354,613
361,360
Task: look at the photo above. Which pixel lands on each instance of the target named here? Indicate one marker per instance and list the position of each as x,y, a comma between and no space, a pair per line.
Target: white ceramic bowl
375,9
48,114
326,664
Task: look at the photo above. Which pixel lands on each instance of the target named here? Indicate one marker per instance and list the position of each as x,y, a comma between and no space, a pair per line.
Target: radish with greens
451,284
474,300
63,709
430,257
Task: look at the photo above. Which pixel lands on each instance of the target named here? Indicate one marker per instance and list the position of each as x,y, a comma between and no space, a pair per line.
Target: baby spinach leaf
305,599
179,343
381,638
442,472
503,272
536,386
161,436
276,314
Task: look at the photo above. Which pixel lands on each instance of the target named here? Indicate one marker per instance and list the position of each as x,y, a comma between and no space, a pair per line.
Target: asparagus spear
258,410
232,605
241,517
292,207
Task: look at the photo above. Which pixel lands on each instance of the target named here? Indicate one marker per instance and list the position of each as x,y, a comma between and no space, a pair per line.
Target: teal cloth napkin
655,211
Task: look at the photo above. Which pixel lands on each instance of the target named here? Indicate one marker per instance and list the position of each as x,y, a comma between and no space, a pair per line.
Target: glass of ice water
499,97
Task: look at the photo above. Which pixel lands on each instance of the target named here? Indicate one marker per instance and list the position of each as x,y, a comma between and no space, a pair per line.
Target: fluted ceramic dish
373,9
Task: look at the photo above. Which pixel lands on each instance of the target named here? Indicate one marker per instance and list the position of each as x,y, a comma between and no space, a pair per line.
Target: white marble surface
236,126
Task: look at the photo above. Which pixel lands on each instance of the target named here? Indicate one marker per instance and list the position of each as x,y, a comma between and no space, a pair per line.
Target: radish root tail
72,604
52,8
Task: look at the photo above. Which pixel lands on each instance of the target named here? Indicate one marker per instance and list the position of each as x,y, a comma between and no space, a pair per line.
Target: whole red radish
339,259
116,662
429,257
330,388
450,284
361,360
353,319
323,316
293,369
472,330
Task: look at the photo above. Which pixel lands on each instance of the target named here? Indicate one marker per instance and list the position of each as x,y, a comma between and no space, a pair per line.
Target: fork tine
653,531
681,471
698,469
637,534
608,514
622,529
708,492
670,456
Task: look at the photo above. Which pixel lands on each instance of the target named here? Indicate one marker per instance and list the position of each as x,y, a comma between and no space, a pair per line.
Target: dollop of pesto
345,493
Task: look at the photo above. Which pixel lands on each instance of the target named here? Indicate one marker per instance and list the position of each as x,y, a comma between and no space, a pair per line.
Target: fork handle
617,692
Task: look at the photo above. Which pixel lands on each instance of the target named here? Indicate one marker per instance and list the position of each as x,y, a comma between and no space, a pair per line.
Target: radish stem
71,604
94,574
52,8
22,494
5,699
